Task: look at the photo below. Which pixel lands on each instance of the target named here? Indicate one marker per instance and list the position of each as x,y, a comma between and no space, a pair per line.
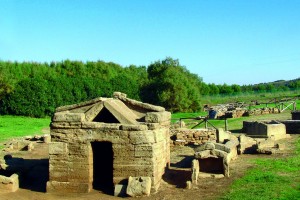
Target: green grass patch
17,126
273,178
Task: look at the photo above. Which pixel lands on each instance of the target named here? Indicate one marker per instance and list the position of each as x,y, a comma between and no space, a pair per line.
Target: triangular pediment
111,111
119,109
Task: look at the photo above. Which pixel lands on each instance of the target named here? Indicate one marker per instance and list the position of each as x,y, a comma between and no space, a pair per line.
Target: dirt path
35,175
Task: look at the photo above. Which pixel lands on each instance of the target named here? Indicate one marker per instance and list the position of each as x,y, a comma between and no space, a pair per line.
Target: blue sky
223,41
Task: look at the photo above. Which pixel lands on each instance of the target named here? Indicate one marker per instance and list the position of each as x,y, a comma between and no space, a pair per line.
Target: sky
223,41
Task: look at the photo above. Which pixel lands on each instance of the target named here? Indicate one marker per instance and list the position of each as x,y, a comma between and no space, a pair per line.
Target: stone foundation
265,129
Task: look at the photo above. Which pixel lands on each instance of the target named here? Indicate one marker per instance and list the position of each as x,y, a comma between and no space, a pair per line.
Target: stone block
157,117
141,137
222,135
9,184
195,171
56,148
138,186
247,144
46,138
202,154
222,147
61,187
68,117
66,125
93,111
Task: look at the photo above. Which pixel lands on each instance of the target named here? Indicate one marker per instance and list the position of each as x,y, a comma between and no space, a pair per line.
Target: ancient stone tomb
100,143
268,129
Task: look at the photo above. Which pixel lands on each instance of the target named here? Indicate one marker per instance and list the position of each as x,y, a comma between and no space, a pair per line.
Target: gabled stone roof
118,109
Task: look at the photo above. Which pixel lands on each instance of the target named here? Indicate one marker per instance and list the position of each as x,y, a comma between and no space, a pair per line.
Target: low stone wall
261,111
184,136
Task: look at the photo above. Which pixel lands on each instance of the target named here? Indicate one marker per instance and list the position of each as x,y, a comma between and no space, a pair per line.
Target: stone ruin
224,111
185,136
265,129
11,168
212,158
105,143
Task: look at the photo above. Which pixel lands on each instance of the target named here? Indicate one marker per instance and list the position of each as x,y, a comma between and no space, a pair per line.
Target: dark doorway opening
103,167
211,165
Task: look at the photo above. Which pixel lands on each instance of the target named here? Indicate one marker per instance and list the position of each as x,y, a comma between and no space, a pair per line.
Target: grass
273,178
16,126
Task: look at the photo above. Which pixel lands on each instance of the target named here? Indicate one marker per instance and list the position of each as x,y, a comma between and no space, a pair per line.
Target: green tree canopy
172,86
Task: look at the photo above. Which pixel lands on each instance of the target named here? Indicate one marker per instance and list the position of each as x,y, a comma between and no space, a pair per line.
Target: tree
236,88
172,86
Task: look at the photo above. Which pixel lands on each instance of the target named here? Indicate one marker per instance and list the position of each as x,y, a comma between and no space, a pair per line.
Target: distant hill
281,82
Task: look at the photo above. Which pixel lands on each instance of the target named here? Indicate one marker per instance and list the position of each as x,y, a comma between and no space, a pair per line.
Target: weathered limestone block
141,137
202,154
68,117
247,144
222,147
205,146
56,186
93,111
153,126
56,148
222,135
226,166
195,171
9,184
138,186
219,153
143,151
158,117
47,138
161,135
66,125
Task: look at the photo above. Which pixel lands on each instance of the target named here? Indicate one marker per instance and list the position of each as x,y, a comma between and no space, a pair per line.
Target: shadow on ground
33,173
